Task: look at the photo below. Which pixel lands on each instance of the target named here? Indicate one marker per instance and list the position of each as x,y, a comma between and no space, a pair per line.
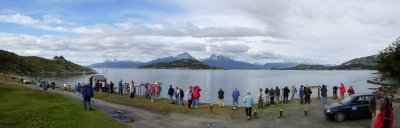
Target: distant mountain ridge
180,64
117,64
363,63
214,60
184,55
228,63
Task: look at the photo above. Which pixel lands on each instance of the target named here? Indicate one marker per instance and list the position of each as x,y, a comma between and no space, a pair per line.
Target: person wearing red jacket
350,91
151,92
385,116
196,96
342,90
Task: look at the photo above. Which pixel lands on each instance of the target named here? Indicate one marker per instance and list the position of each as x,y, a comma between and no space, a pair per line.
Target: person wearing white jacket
189,94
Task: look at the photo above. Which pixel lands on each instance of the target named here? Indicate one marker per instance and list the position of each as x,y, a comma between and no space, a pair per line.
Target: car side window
359,100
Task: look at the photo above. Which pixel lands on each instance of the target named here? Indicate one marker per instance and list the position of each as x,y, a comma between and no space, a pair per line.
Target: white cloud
18,19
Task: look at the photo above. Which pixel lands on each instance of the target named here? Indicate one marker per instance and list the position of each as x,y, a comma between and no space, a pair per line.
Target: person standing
126,85
235,96
350,91
272,96
78,89
375,107
151,92
261,97
293,92
87,94
196,95
120,87
335,88
53,85
385,116
277,94
307,94
177,92
189,94
170,93
157,90
65,87
181,96
132,90
301,94
101,87
286,92
111,87
323,94
266,96
342,90
248,101
221,94
107,87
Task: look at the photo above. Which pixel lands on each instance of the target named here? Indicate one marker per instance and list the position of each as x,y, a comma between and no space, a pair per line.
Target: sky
256,31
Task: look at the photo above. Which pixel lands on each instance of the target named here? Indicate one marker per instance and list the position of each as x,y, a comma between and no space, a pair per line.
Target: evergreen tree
389,62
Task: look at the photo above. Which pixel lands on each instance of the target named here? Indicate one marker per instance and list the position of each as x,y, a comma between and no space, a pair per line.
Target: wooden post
305,112
211,107
280,113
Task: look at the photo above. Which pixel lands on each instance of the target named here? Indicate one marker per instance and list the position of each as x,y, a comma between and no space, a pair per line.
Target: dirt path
293,117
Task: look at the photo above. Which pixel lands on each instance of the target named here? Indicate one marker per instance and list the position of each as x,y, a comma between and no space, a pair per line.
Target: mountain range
363,63
181,64
214,61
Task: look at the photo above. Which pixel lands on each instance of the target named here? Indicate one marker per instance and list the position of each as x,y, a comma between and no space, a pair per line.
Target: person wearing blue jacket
87,93
235,96
272,96
323,94
301,94
248,101
78,88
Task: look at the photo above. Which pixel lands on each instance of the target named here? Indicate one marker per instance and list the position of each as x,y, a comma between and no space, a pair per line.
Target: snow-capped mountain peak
219,57
184,55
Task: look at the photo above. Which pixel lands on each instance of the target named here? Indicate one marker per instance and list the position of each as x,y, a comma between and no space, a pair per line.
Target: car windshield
346,100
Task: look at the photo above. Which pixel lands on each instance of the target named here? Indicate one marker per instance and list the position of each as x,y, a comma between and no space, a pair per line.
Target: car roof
363,94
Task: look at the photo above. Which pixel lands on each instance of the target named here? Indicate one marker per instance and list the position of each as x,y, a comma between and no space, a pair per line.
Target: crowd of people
379,106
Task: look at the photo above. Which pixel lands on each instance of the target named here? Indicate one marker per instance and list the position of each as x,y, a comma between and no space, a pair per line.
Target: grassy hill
22,107
180,64
13,63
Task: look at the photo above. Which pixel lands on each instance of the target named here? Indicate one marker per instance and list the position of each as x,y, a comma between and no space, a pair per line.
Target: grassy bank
163,105
30,108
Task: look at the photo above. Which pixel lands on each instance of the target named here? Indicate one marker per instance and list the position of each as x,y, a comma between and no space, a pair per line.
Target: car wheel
340,116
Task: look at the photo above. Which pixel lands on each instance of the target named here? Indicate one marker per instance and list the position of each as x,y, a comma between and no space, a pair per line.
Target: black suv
354,106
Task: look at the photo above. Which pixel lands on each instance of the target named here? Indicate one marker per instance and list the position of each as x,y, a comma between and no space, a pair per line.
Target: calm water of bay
245,80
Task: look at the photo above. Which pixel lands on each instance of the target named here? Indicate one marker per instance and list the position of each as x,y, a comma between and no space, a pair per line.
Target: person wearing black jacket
221,97
286,92
335,88
170,93
307,94
181,95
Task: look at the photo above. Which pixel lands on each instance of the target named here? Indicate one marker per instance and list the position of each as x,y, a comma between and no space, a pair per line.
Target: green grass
22,107
163,105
